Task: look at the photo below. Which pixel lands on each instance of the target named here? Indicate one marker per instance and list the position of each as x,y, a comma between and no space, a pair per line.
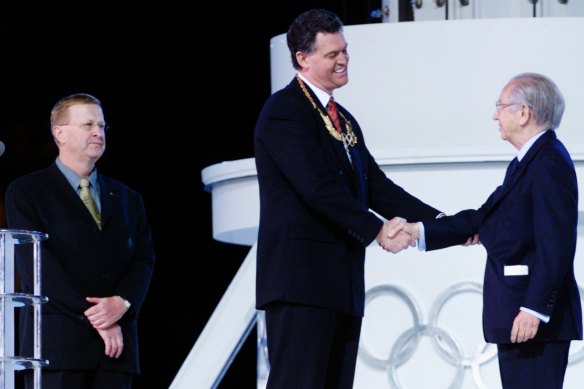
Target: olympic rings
407,342
443,342
406,353
486,354
415,333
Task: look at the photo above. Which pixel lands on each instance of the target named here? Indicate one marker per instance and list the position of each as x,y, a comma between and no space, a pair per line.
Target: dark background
181,85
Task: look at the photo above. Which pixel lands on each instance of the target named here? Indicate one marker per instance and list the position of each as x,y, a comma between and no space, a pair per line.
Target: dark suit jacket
530,220
315,221
78,261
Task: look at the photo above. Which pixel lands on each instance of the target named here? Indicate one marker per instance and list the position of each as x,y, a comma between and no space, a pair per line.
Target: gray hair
542,95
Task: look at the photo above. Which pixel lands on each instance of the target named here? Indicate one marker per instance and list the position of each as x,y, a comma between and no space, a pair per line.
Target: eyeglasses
500,106
88,126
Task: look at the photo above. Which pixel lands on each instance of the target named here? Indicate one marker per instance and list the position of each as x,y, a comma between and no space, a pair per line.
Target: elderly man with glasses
531,302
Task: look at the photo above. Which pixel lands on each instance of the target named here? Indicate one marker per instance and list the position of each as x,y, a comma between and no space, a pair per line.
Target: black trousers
533,365
311,348
80,379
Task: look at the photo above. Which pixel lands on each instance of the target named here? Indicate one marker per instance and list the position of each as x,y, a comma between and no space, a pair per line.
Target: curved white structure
474,9
424,95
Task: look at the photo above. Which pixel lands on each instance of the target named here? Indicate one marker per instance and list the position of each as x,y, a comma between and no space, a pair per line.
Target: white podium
423,310
9,299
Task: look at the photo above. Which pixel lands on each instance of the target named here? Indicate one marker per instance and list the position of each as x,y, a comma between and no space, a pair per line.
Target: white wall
428,89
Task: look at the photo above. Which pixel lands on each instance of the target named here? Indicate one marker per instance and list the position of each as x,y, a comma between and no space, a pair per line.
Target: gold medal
348,137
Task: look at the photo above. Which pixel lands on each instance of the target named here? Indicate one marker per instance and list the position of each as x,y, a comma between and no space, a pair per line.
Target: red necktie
333,114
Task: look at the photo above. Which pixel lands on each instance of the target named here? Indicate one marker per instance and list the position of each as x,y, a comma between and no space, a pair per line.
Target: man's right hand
396,235
113,340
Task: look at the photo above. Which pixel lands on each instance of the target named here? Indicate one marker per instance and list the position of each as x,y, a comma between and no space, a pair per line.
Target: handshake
397,235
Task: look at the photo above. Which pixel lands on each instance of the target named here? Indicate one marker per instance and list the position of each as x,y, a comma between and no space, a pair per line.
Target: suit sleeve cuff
541,317
421,238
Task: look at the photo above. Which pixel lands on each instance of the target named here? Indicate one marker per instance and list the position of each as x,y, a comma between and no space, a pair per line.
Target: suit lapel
109,198
355,166
337,146
521,168
342,152
70,195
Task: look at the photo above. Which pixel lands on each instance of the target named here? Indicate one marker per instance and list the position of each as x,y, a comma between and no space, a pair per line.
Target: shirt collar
73,178
321,95
525,148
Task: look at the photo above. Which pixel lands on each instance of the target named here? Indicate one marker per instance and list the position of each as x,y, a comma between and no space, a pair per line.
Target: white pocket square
516,270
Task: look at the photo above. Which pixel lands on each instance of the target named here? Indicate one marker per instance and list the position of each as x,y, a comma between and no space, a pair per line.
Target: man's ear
302,59
58,133
525,114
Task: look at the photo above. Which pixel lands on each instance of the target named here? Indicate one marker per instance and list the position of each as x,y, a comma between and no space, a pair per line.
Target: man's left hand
524,328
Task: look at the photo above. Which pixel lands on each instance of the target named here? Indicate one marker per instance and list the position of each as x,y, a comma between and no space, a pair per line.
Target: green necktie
89,201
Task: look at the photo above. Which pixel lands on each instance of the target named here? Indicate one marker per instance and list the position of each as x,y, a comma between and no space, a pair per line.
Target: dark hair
303,30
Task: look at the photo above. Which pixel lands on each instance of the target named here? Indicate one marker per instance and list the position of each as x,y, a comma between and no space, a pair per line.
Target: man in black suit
96,269
317,184
531,302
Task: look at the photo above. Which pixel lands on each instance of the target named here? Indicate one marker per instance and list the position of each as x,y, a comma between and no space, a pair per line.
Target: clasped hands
104,316
397,235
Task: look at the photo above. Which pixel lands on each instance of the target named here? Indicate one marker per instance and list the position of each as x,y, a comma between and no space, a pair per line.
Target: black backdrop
181,86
